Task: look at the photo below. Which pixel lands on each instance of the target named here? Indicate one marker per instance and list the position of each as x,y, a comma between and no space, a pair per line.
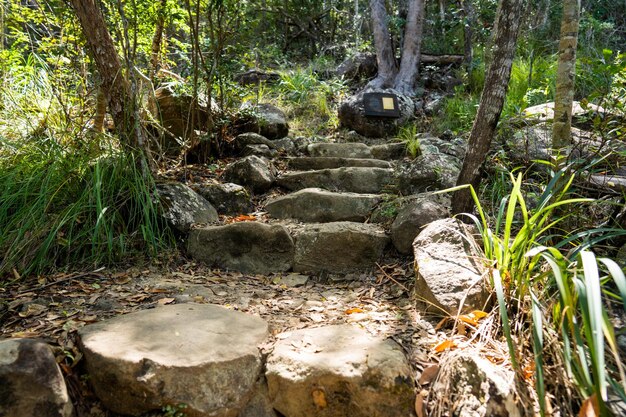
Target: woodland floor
53,307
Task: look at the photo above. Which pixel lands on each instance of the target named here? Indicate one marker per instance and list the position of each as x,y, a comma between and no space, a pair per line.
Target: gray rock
182,207
351,179
542,113
389,151
352,115
317,205
31,383
455,147
250,138
245,246
412,218
252,172
286,145
259,405
293,280
316,163
338,371
227,198
339,150
449,268
271,121
471,386
428,172
259,150
256,76
201,355
338,247
361,66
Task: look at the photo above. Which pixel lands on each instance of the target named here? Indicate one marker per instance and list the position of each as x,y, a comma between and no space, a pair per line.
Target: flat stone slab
315,163
338,247
350,179
339,371
31,383
246,246
201,355
448,268
357,150
314,205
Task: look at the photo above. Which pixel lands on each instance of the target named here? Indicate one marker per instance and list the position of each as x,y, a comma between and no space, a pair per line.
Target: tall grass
543,291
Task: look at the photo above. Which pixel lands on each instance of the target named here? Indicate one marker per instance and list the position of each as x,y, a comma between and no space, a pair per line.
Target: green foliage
409,135
174,410
542,290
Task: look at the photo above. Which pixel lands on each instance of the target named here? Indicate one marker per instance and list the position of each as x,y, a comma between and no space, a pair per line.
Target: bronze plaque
381,105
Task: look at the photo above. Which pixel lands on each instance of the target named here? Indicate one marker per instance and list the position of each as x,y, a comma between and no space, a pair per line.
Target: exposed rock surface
263,151
412,218
227,198
545,112
256,76
338,247
251,138
315,163
357,150
472,386
245,246
201,355
361,66
429,172
352,115
448,268
271,121
182,207
251,171
317,205
338,371
351,179
31,384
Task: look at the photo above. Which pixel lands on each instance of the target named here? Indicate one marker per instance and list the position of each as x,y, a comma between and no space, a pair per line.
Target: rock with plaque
381,105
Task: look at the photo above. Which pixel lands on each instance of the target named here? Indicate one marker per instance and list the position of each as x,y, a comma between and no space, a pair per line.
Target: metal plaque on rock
381,105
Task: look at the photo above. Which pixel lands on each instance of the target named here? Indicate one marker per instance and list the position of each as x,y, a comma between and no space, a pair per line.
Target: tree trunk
387,68
491,101
409,66
110,68
566,72
157,39
468,33
101,109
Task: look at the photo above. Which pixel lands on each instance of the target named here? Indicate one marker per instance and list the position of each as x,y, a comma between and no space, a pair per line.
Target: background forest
81,151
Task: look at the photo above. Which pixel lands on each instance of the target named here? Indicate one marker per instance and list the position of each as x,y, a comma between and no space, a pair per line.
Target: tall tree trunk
387,68
468,33
157,39
110,68
491,101
2,24
411,50
566,72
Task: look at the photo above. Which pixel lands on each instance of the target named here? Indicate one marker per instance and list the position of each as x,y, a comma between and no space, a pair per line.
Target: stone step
314,205
254,247
321,162
357,150
350,179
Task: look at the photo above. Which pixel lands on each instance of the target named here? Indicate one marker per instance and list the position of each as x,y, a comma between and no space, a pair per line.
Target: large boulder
269,120
252,171
357,150
352,115
449,268
581,115
31,383
328,162
469,385
352,179
428,172
227,198
245,246
256,76
250,138
412,218
339,371
359,67
182,207
317,205
339,247
201,355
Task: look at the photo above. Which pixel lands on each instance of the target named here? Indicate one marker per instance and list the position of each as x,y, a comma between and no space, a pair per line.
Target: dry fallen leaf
429,374
354,310
319,398
590,407
164,301
445,345
419,403
469,319
244,218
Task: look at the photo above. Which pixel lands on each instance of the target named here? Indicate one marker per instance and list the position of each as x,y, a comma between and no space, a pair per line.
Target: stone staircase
321,224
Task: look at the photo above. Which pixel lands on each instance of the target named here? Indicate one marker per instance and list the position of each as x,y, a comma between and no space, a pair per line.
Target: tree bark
387,68
110,68
157,40
468,33
411,50
491,101
565,76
